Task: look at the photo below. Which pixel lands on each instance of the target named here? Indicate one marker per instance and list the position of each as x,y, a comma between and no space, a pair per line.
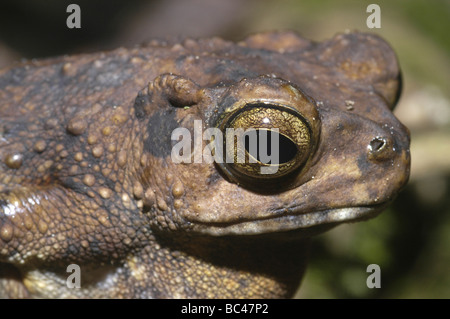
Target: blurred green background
411,240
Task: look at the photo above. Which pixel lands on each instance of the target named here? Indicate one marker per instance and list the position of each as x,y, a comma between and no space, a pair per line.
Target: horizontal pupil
286,148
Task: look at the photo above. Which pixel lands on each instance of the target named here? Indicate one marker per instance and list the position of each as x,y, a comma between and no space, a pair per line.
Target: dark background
411,240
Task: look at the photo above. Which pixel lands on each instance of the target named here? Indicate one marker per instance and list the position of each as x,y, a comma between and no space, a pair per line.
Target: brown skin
86,175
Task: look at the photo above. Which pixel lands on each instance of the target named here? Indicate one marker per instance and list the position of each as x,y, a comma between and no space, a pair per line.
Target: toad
88,176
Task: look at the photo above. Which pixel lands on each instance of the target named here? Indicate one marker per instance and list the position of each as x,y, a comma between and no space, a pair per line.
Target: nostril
380,148
377,144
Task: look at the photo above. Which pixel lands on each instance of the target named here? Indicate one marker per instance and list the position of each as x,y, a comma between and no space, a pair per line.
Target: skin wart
86,175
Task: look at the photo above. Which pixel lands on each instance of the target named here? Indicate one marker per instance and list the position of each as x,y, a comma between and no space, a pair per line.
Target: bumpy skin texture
86,175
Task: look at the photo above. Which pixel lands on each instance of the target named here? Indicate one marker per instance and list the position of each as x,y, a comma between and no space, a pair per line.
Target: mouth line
286,220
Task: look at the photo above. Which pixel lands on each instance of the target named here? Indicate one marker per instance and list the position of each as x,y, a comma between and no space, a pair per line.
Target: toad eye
265,141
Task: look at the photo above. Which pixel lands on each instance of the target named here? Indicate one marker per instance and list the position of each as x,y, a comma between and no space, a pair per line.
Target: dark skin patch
140,102
74,185
159,142
363,164
229,70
